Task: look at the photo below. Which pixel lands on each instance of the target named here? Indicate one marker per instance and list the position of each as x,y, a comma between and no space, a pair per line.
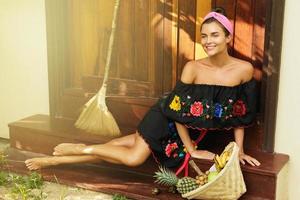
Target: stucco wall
287,139
23,61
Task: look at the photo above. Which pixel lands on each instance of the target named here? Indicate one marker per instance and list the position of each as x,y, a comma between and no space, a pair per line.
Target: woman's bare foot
65,149
202,154
38,163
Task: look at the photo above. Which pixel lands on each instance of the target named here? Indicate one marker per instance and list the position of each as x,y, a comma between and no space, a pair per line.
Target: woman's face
213,39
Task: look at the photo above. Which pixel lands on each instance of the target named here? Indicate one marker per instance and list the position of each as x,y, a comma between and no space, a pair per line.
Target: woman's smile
210,47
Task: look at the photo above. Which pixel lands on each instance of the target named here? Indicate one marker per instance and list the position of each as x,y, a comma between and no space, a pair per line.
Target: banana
224,153
219,161
217,165
225,157
223,161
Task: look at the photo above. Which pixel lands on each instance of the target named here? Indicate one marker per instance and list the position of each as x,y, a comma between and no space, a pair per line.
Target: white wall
23,61
288,115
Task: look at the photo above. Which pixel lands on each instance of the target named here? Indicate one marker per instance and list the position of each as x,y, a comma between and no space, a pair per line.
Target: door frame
271,71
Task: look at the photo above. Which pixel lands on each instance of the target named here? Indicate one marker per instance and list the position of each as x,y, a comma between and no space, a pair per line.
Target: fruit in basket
220,161
201,179
212,175
169,178
225,156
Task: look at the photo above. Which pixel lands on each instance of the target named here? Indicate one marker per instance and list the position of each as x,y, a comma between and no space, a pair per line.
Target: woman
216,92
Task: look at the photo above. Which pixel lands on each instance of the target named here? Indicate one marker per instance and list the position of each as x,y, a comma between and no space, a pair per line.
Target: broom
95,117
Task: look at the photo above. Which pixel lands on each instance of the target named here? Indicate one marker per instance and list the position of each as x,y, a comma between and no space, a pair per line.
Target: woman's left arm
239,139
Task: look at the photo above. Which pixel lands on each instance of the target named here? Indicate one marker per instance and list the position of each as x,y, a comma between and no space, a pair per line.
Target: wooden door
153,41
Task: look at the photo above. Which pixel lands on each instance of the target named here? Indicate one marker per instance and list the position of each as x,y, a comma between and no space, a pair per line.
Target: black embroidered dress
197,106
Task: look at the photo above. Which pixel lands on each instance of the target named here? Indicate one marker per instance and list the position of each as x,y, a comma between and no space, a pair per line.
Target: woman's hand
246,158
202,154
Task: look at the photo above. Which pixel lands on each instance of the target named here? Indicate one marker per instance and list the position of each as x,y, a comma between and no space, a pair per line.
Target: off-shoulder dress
198,107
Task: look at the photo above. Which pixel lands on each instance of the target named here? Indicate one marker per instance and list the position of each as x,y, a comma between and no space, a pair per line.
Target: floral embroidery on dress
175,104
218,110
239,108
196,109
173,146
205,109
170,148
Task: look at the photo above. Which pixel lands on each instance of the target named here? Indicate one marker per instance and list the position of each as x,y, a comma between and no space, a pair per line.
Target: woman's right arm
190,147
185,137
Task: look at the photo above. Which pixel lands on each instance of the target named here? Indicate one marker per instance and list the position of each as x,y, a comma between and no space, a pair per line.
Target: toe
55,153
28,163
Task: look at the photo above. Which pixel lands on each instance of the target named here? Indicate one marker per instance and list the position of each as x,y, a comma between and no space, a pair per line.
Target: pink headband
222,19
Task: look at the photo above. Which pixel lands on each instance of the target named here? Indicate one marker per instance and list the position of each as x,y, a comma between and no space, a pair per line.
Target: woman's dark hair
219,10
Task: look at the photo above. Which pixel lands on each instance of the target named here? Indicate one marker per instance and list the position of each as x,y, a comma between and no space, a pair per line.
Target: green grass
30,187
3,159
120,197
3,178
23,187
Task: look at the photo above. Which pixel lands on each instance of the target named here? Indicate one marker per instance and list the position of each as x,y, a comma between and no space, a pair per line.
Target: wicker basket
229,183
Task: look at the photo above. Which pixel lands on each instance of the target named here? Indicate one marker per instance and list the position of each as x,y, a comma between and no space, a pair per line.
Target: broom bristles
95,118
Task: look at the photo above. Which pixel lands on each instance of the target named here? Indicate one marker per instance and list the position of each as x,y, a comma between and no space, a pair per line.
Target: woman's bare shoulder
188,72
245,68
243,64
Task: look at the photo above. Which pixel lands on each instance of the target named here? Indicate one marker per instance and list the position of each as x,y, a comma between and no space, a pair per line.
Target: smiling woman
217,92
214,30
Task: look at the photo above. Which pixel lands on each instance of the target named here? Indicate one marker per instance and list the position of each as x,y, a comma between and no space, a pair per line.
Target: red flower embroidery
239,108
196,108
170,148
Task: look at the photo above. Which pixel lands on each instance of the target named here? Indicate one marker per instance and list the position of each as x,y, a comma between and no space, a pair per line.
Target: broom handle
195,167
110,44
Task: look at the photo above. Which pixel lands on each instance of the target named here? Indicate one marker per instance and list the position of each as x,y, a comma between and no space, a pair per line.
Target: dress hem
219,129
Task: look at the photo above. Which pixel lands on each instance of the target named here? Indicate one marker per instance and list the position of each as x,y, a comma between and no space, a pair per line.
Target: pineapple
169,178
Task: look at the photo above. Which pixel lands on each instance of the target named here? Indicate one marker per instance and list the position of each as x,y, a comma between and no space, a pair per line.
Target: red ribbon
185,164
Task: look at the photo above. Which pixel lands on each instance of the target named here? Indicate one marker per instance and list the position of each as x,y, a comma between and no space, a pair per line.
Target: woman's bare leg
130,156
131,150
41,162
38,163
127,141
